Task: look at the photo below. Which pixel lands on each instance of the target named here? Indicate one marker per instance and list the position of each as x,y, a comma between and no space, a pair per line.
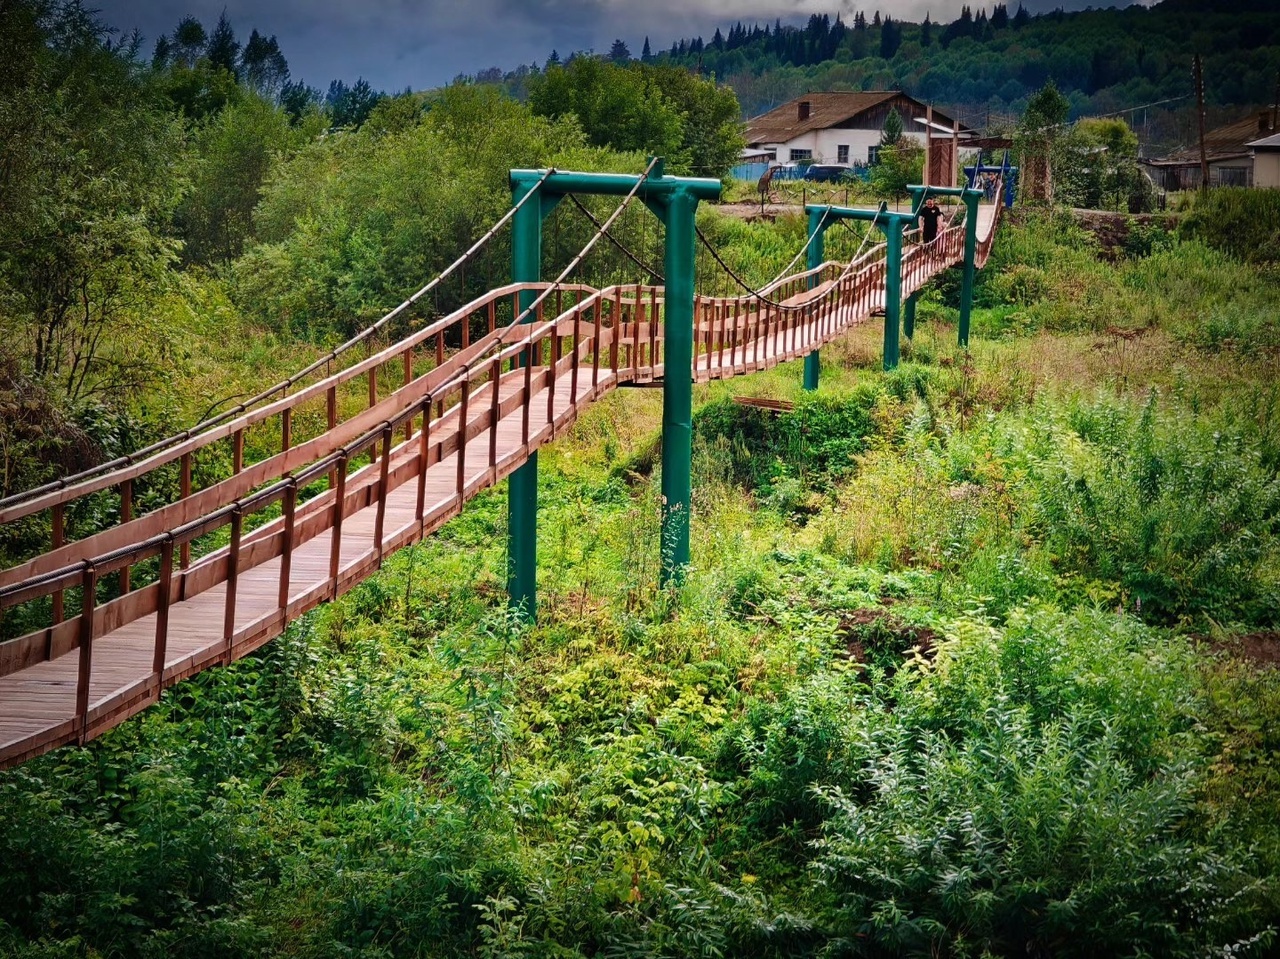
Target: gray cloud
402,43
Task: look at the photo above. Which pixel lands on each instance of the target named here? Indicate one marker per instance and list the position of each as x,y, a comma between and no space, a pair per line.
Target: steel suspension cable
753,292
582,254
616,242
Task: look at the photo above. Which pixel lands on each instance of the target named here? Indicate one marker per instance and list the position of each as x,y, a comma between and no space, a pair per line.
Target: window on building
1232,176
873,155
801,155
842,153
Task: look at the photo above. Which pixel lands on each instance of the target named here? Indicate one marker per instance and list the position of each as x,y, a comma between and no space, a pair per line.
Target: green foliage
351,223
897,167
660,110
617,106
91,176
1180,513
892,131
235,150
1243,223
1098,168
1047,109
1101,60
1023,830
817,441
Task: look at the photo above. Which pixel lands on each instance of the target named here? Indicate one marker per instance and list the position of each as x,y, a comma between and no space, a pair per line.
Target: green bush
1181,515
1244,223
818,440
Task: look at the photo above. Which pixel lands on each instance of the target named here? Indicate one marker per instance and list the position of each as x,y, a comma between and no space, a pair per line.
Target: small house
845,127
1231,152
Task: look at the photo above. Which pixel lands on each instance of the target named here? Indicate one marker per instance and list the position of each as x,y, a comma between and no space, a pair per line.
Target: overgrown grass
1243,223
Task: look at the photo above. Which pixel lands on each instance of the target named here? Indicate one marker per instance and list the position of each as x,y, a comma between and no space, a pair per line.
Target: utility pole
1275,107
1198,68
928,143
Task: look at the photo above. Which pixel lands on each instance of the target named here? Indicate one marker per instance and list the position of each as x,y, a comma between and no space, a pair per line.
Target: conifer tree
223,49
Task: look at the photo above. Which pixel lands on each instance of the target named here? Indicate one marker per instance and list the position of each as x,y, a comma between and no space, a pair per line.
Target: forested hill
991,61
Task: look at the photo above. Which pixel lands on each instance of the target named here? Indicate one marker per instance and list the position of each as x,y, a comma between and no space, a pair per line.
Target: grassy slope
907,703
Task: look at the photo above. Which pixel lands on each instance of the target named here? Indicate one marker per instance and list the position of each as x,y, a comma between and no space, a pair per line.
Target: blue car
828,172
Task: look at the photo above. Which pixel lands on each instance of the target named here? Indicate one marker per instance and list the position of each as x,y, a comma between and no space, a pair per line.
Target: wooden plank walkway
77,690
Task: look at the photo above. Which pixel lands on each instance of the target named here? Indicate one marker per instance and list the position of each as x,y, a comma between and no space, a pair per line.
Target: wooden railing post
126,514
290,507
162,612
408,378
331,418
495,379
614,332
462,434
373,401
339,508
551,383
424,448
635,332
528,395
653,332
577,341
89,599
733,342
595,353
233,576
184,551
286,429
59,538
237,451
379,518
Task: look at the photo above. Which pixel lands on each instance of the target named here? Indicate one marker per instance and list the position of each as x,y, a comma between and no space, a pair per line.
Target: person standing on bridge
930,214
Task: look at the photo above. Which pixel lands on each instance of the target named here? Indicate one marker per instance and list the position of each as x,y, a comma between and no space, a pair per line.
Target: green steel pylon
675,201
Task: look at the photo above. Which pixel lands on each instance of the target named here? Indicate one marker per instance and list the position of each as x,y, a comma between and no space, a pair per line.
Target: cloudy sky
423,43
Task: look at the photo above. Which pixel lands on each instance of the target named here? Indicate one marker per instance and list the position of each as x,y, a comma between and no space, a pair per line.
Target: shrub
1242,222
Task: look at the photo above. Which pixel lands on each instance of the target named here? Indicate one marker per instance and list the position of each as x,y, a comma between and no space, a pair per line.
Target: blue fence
754,171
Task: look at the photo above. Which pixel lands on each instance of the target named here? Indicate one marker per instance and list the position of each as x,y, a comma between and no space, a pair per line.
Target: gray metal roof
1267,143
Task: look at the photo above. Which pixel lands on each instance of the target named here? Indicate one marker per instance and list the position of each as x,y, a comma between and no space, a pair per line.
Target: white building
842,127
1266,161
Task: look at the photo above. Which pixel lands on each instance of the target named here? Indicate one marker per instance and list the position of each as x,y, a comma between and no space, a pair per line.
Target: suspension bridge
110,620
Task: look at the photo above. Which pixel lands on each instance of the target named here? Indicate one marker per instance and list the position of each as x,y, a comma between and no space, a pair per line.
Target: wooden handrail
133,470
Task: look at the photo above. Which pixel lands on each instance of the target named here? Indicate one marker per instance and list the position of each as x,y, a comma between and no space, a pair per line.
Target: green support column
817,253
970,198
892,291
909,315
677,383
675,200
522,488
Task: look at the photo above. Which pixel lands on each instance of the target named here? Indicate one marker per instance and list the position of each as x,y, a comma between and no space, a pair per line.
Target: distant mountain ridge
985,64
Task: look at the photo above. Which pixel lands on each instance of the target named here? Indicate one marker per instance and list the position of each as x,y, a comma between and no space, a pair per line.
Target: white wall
1266,169
825,145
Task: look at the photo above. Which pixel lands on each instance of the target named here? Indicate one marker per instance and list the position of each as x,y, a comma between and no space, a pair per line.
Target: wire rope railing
206,422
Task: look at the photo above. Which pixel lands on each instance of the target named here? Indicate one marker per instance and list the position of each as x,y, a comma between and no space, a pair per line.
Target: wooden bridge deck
69,683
